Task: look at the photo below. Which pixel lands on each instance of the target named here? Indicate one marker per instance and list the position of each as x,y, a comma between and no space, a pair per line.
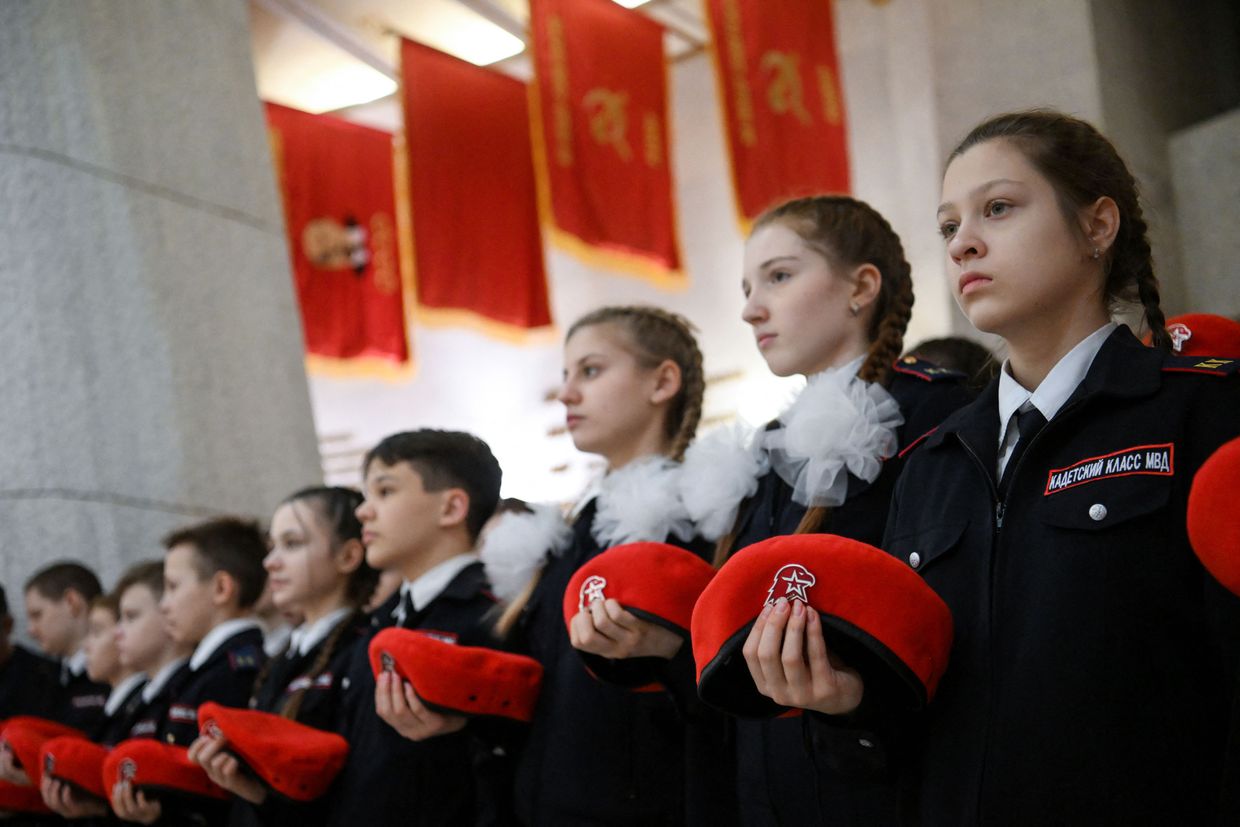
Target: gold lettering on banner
652,133
562,115
830,90
383,243
608,111
742,97
785,94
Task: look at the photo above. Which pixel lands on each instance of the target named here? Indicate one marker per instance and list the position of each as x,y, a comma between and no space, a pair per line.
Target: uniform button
867,743
914,559
1097,512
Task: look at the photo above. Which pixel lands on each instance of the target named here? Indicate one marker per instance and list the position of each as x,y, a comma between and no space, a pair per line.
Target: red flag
477,244
783,103
340,215
602,134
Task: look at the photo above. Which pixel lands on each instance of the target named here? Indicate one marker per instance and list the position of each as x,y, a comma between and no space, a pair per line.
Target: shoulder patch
926,371
244,657
1211,366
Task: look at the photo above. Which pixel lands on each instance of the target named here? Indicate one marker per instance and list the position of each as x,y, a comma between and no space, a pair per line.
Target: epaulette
926,371
244,657
1209,365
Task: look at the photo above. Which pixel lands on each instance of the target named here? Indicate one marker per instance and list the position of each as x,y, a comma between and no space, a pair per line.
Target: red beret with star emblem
25,735
878,616
657,582
1204,334
295,760
459,680
1213,527
76,762
157,769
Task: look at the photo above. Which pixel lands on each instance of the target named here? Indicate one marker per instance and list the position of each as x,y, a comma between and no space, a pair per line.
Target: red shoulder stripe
916,442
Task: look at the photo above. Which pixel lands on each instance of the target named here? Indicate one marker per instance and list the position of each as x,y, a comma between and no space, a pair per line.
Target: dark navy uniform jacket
1094,668
781,778
326,704
226,677
116,727
596,752
388,778
80,701
29,685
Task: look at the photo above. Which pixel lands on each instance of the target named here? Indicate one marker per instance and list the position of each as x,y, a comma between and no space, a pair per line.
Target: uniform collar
75,664
1059,384
307,636
160,680
121,692
217,637
432,583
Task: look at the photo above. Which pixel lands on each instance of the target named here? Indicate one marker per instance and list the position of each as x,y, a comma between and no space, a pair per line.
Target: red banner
477,244
782,99
340,214
602,131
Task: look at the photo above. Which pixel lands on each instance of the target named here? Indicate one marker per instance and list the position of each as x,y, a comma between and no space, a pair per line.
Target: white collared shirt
216,637
76,664
157,683
277,639
1049,396
307,636
120,692
432,583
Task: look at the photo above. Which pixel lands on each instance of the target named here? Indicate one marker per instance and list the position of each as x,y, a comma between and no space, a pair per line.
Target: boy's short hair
149,573
53,581
447,459
109,601
4,603
231,545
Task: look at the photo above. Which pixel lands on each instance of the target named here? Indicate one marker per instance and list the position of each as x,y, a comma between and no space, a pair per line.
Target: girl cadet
828,295
1093,675
316,568
597,753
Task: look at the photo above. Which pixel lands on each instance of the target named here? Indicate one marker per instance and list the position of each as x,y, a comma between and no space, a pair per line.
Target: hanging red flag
602,134
477,244
783,104
340,216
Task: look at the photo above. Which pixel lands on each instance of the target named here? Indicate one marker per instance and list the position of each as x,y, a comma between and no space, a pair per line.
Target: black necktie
405,613
1028,422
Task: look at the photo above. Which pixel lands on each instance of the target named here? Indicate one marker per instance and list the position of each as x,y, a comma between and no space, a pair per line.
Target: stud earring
1097,254
853,309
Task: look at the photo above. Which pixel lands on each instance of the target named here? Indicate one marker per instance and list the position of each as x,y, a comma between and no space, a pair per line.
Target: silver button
1097,512
914,559
867,743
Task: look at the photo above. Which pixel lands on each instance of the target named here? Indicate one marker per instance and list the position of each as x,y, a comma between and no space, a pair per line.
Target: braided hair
1083,166
655,335
336,508
849,233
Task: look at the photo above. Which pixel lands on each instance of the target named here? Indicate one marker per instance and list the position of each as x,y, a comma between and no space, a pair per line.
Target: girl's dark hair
337,508
849,233
654,335
1083,166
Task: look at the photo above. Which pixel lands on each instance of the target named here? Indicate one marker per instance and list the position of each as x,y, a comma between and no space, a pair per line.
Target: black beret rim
910,691
661,621
78,789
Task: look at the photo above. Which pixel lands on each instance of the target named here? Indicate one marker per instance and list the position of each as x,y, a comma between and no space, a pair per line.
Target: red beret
462,680
297,761
655,581
156,767
76,762
25,735
877,614
18,798
1204,334
1213,526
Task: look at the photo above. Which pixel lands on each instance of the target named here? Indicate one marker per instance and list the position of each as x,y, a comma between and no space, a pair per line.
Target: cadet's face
400,518
51,623
142,636
299,565
607,395
1013,260
796,303
102,658
187,604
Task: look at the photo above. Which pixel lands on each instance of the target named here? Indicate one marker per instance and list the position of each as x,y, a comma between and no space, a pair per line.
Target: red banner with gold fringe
340,215
602,134
477,244
782,100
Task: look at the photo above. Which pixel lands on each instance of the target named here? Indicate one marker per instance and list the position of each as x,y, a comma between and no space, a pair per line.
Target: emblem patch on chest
1152,460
